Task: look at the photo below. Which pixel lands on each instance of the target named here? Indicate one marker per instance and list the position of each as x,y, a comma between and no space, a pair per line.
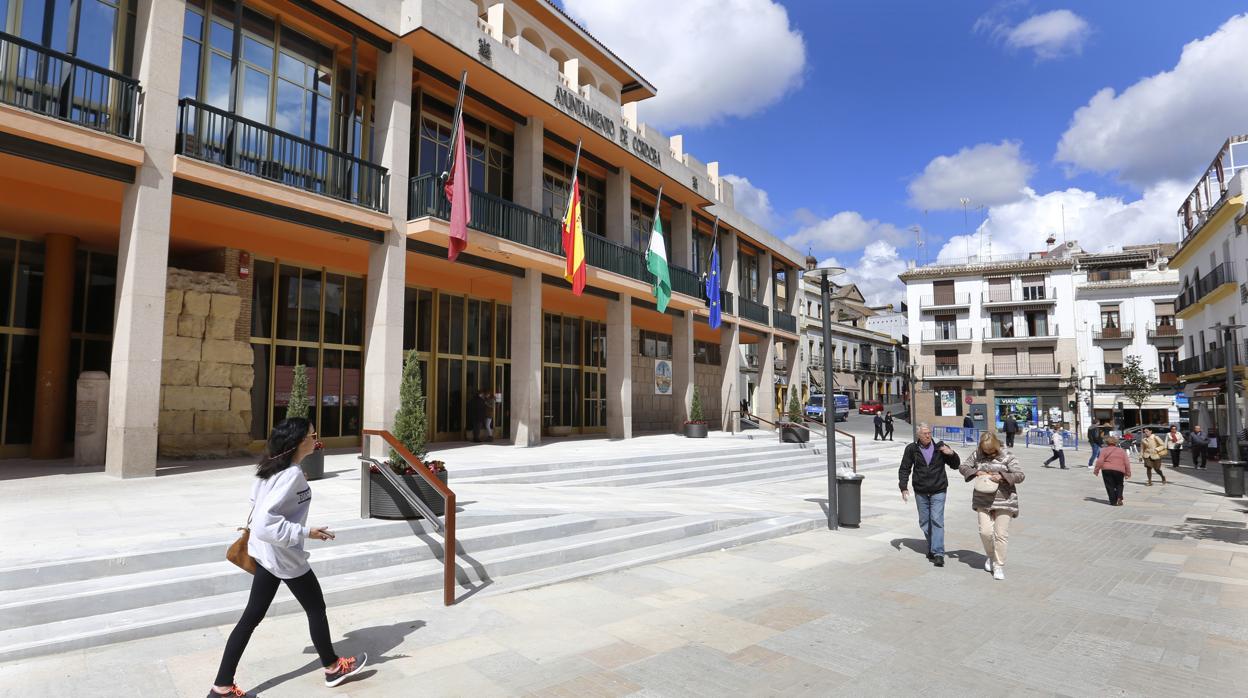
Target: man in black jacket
928,460
1011,428
879,427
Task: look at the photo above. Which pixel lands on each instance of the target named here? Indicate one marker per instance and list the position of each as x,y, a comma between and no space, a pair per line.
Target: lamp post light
829,425
1232,406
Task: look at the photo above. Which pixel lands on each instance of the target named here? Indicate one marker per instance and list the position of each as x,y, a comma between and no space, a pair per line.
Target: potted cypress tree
794,431
298,406
385,501
695,428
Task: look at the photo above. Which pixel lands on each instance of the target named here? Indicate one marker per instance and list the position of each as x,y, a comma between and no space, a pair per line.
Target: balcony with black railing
947,335
685,281
1219,276
756,312
1165,331
1029,295
945,301
1111,334
214,135
55,84
491,214
726,304
1209,194
1034,369
948,371
784,321
1009,334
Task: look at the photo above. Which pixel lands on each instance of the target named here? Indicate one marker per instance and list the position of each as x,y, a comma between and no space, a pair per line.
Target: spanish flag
574,241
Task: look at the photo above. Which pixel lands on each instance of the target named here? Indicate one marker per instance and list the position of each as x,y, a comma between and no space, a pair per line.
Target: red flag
574,242
457,193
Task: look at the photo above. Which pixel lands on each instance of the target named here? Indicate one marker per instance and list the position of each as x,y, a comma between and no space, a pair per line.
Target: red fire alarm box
244,265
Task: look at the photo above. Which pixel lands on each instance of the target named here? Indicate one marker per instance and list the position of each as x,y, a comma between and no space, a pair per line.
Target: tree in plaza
695,408
409,421
1137,384
795,408
297,405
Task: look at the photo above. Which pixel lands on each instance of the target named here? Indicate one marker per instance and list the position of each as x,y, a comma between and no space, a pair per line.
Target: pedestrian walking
1213,451
1096,436
927,461
879,427
1152,450
280,498
968,422
1199,447
996,473
476,415
1174,444
1011,428
1059,448
888,425
1113,466
487,414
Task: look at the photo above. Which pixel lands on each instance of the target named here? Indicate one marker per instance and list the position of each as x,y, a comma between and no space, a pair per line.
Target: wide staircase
85,602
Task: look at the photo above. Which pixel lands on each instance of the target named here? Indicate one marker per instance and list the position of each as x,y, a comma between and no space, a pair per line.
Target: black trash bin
849,499
1233,477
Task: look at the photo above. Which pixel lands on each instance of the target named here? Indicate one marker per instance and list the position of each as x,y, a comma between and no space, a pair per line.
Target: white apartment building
865,363
891,322
1124,306
1212,262
994,336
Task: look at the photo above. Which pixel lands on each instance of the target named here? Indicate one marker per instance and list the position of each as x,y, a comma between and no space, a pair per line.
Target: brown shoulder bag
238,554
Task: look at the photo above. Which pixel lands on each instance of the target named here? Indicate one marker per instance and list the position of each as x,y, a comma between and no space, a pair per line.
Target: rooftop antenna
1063,222
918,244
966,226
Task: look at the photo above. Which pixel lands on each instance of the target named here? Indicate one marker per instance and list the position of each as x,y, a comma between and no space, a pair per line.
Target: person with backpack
278,527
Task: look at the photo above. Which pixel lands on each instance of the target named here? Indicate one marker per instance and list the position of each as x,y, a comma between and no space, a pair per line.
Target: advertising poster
662,377
1026,410
948,403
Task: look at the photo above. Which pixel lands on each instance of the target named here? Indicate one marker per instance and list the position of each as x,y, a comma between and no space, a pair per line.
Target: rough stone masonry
206,374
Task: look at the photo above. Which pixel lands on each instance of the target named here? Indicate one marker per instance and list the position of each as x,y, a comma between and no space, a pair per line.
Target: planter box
385,501
794,434
695,431
314,465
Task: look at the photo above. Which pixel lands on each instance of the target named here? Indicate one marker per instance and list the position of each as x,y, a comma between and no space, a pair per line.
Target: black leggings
1113,484
1174,457
264,585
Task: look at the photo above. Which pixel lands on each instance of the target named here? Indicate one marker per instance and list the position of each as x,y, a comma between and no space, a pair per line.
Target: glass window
310,306
8,259
354,311
23,353
28,300
335,287
96,45
218,93
101,293
1109,317
1003,324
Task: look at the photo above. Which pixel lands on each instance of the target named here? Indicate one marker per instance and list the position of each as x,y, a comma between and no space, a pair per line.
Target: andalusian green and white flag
656,261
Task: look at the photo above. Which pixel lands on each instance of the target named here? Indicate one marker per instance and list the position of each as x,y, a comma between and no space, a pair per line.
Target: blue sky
834,111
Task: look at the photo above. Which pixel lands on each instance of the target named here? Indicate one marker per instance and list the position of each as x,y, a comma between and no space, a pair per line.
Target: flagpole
455,123
658,201
576,164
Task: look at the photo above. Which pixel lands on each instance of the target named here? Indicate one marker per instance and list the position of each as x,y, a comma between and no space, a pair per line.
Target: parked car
814,408
870,407
840,406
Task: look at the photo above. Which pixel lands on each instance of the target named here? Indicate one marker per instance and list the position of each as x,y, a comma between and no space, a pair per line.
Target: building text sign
570,102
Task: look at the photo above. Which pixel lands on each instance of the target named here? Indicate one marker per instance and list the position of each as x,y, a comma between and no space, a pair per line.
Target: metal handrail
447,529
853,442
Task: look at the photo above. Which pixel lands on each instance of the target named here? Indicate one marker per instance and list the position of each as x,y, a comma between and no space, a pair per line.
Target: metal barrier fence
956,436
1040,437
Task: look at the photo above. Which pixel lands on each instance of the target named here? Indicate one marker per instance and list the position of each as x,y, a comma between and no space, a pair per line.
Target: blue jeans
1096,453
932,520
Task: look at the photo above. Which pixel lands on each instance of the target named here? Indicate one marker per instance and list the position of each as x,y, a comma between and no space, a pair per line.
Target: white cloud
1097,223
1169,125
876,274
1049,35
844,232
708,59
752,201
986,174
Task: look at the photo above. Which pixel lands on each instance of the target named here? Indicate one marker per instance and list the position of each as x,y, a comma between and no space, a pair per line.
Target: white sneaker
988,565
998,572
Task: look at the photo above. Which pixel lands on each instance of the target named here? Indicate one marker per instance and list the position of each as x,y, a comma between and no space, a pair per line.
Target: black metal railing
1029,294
685,281
784,321
1012,332
947,334
726,304
754,311
1222,274
217,136
55,84
1164,330
614,257
490,214
864,366
1034,369
947,300
1110,333
949,370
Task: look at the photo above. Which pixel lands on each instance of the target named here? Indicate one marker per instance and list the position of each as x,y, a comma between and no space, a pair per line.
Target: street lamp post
829,425
1232,406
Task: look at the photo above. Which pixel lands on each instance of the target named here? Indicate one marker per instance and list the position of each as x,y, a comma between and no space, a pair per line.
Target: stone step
53,602
475,568
658,469
678,477
209,549
794,470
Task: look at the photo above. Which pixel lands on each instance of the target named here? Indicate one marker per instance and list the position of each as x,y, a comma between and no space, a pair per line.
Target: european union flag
712,288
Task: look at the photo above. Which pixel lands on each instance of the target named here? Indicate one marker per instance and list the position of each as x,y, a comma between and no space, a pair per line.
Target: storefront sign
1181,401
1025,410
662,377
948,403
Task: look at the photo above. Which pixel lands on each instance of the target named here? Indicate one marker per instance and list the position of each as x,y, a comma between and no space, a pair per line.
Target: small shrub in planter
794,431
297,406
385,501
695,428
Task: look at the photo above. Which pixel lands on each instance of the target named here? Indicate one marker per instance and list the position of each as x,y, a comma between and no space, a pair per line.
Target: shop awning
1207,390
1110,401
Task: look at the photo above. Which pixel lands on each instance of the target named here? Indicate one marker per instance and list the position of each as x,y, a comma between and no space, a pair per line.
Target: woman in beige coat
1152,450
992,462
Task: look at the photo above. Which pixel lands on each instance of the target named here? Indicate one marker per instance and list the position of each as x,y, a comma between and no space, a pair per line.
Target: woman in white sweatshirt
280,498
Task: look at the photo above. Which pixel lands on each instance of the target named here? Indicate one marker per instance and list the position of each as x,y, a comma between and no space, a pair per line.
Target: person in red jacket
1113,465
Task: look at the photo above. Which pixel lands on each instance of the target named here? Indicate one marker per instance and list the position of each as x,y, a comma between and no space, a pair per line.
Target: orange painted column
52,370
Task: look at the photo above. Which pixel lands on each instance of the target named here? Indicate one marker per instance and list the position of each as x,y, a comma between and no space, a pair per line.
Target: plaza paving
1146,599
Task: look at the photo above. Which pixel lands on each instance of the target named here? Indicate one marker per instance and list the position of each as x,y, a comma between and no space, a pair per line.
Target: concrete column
796,367
682,368
387,262
681,237
143,249
729,269
792,286
495,17
571,70
619,207
527,185
766,290
52,377
526,359
729,390
620,368
765,400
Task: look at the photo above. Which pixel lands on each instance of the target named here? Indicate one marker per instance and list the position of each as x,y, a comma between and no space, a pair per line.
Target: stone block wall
207,373
650,412
708,379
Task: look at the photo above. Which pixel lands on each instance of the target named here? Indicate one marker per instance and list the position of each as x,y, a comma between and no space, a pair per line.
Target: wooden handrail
853,441
448,497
